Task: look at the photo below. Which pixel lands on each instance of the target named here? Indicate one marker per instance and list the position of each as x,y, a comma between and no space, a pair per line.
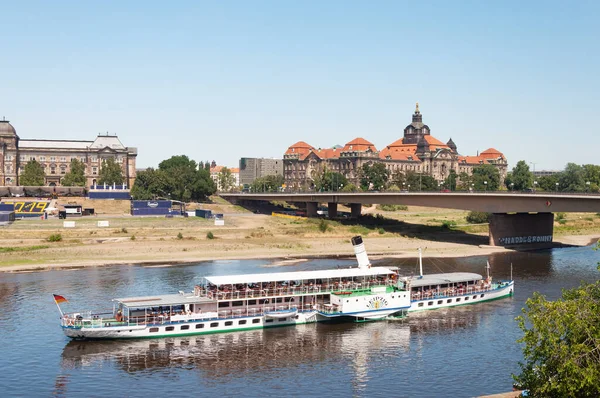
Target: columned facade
55,156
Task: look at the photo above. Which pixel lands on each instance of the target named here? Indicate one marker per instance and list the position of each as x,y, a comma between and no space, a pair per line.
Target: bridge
518,219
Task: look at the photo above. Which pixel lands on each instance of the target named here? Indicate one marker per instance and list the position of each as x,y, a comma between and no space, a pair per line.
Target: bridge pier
311,209
522,229
332,209
355,210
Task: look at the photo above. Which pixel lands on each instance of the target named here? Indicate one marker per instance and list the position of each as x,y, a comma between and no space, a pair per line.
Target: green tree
486,173
421,182
76,175
184,181
561,340
329,181
350,188
374,176
110,173
150,184
548,183
33,175
451,181
464,181
572,178
270,183
226,179
520,177
591,174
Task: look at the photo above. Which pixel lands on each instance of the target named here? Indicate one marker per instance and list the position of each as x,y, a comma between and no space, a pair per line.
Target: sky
223,80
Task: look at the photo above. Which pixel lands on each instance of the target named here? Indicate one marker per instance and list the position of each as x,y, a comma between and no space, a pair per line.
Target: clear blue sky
224,80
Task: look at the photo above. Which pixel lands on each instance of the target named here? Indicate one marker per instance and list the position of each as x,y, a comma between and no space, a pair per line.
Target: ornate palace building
55,156
418,151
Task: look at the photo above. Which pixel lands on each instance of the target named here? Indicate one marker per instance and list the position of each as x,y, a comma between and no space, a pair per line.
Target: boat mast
487,268
420,263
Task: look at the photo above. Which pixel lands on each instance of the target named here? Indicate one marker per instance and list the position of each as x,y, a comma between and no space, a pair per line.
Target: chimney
361,253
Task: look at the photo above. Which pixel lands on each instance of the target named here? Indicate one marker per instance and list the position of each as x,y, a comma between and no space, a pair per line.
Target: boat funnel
361,253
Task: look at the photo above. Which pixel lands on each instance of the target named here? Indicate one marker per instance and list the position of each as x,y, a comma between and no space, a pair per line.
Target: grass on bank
23,248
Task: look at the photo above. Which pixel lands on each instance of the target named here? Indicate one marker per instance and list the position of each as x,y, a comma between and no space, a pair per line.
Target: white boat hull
188,328
464,299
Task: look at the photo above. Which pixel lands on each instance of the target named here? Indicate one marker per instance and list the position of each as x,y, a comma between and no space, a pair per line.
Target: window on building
22,158
8,157
63,170
94,158
94,170
52,170
42,158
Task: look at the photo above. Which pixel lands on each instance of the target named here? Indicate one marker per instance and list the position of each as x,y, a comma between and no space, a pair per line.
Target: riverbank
161,241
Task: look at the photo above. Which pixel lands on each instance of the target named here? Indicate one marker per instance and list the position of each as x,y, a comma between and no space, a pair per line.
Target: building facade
235,174
253,168
417,151
55,156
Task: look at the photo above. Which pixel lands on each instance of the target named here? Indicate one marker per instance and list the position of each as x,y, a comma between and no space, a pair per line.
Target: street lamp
534,185
485,185
409,187
512,186
587,189
472,187
557,187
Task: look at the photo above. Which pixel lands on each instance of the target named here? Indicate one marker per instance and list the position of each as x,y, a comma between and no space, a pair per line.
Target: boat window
251,302
288,299
256,321
474,297
170,328
440,302
282,319
184,327
153,330
242,322
457,299
214,324
466,298
430,303
224,304
268,320
357,300
482,295
449,301
278,300
237,303
199,325
420,304
228,323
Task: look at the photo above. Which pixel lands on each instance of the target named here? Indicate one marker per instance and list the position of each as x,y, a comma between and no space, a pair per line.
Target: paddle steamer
243,302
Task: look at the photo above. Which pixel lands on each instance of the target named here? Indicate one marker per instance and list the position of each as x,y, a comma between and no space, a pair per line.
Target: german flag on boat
60,299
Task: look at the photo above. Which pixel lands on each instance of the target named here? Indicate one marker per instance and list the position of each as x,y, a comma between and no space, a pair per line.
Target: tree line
574,178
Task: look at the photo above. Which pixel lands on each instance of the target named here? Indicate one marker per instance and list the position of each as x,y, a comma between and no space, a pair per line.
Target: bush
124,230
132,237
448,224
478,217
209,235
381,231
560,217
55,238
392,207
180,236
323,225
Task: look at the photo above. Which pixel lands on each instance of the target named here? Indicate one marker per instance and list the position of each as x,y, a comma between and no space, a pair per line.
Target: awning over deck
442,279
162,300
297,276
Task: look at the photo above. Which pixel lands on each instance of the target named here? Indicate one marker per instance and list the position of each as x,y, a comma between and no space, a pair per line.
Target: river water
459,352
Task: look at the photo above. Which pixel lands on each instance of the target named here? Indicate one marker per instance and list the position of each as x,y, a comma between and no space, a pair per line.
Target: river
459,352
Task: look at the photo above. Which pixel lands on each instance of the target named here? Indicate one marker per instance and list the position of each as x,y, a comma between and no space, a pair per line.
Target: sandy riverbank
246,236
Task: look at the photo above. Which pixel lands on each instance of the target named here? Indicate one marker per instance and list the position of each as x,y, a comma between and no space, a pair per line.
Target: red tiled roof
300,148
491,153
435,142
359,144
398,154
327,153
